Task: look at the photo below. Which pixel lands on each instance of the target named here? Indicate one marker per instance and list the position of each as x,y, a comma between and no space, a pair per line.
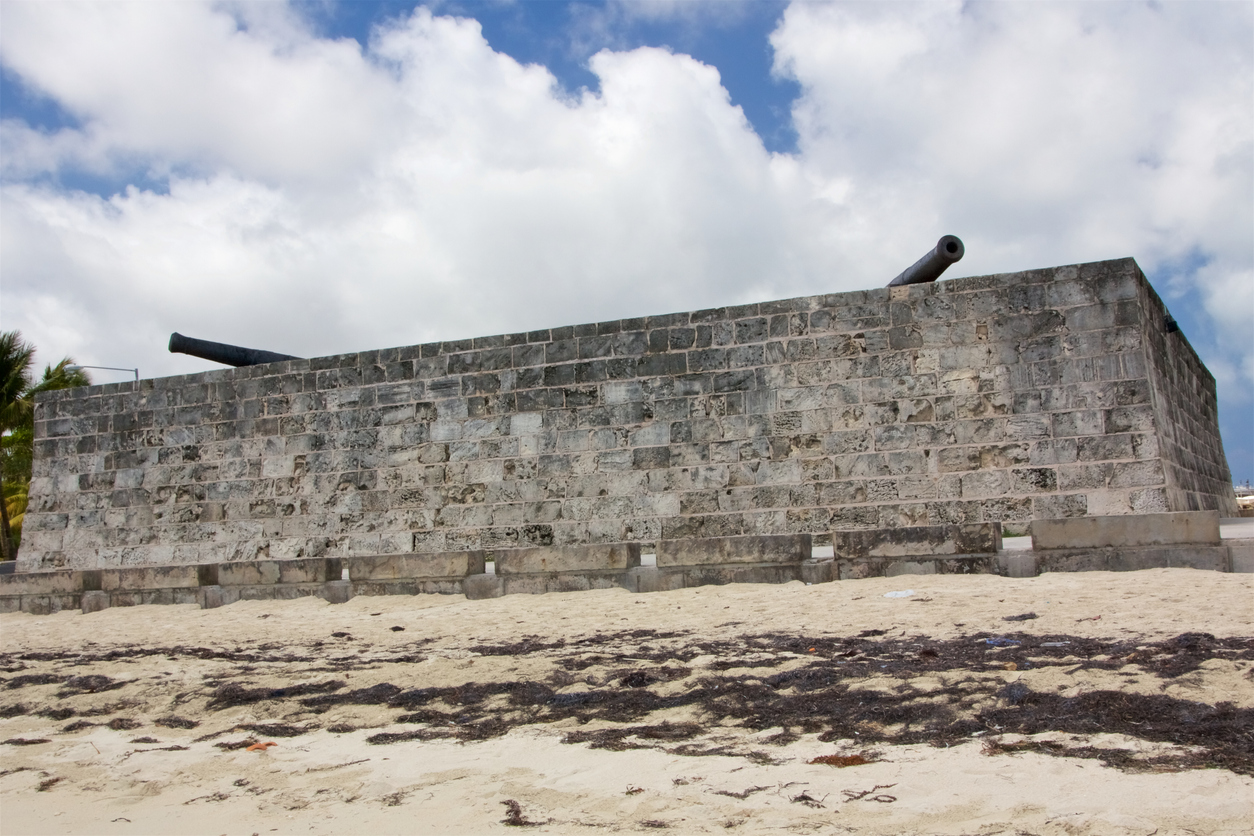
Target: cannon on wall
948,250
229,355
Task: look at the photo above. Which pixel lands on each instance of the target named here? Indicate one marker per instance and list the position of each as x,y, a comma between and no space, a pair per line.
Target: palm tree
17,428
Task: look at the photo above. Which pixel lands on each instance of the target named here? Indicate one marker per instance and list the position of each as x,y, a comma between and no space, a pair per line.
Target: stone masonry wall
1183,395
1006,397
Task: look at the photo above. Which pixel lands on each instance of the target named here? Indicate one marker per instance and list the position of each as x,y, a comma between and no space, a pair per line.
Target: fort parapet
1044,394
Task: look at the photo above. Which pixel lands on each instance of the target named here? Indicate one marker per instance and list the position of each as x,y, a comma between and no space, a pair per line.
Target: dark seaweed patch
175,722
34,679
232,693
276,729
89,684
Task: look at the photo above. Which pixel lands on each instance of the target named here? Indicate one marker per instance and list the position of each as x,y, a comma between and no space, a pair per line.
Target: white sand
323,782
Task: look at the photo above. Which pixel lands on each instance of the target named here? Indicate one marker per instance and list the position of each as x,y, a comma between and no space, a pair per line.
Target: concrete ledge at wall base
216,584
1187,527
408,586
920,541
539,584
1241,556
40,604
57,582
592,558
882,567
723,551
270,572
1130,559
435,565
478,587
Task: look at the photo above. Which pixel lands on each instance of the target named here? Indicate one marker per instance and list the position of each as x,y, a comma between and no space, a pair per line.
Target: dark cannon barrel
928,269
230,355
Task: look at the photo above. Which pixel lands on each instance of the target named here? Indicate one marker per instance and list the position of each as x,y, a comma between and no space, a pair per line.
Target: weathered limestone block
610,557
722,551
95,601
337,591
148,577
1134,530
921,541
478,587
62,582
1132,558
1241,555
401,566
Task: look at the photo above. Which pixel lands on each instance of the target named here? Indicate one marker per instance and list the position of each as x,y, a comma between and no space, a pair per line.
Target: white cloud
1042,133
327,196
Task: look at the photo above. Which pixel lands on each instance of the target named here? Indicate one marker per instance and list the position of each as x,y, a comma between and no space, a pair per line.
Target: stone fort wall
1042,394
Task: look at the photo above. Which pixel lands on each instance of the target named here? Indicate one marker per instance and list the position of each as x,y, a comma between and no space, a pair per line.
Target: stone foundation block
211,597
48,604
1188,527
909,567
822,571
433,565
1241,555
477,587
146,577
1017,564
337,592
610,557
918,541
650,579
1131,558
721,551
94,601
409,586
60,582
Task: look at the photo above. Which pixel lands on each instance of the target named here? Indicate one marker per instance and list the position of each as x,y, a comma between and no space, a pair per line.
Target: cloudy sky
322,177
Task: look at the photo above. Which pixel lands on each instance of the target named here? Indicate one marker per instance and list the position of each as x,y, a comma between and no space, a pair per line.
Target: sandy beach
1081,703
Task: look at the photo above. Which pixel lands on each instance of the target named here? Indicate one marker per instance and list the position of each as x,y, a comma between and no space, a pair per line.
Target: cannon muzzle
928,269
230,355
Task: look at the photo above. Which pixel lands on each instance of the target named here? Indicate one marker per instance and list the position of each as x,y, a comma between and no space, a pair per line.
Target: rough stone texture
1199,527
386,567
725,551
95,601
1042,394
1241,555
1132,558
615,557
337,592
478,587
970,538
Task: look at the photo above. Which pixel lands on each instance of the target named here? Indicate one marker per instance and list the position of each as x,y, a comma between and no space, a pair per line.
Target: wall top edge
962,284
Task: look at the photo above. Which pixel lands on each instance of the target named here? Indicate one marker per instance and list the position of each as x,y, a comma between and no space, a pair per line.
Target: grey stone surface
94,601
608,557
211,597
337,592
818,571
1200,527
1241,555
478,587
1041,394
968,538
723,551
396,566
149,577
1132,558
910,567
1018,564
